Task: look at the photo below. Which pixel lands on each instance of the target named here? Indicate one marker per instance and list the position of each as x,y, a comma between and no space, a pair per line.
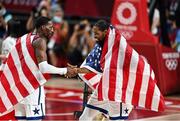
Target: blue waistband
106,112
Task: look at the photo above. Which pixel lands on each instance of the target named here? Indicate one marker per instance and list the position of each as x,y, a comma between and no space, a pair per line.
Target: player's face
98,34
48,30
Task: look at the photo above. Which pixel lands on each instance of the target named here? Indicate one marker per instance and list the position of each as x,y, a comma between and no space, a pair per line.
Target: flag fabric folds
92,62
126,76
20,74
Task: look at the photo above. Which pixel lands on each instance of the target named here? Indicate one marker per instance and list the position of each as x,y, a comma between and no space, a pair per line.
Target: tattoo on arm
40,49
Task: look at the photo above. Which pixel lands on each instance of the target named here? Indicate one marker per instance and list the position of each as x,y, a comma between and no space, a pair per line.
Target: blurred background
152,27
163,16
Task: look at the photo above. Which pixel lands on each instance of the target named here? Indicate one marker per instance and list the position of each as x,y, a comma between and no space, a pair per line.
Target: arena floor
64,97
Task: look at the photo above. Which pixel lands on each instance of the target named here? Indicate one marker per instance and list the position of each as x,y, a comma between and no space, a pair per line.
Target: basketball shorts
29,112
113,110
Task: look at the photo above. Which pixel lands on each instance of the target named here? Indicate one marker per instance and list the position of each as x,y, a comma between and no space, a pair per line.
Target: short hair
40,21
102,25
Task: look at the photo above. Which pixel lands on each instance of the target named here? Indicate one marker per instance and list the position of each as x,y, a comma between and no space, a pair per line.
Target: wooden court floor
64,97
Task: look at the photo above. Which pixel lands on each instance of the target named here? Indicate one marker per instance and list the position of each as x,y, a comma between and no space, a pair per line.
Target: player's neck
40,34
34,32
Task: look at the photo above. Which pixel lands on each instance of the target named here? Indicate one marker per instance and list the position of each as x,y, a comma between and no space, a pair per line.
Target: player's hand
71,72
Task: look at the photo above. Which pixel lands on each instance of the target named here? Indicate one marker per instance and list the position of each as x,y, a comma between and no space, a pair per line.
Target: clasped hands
71,71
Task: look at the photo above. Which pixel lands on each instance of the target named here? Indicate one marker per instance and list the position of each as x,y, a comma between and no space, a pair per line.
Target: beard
100,42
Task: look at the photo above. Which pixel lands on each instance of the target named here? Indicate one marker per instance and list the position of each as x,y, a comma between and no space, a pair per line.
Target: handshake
72,71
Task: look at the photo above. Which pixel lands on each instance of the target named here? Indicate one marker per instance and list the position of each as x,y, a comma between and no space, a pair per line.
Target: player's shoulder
37,38
9,40
38,42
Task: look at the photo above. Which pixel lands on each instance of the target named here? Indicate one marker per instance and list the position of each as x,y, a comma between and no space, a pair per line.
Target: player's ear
43,27
104,33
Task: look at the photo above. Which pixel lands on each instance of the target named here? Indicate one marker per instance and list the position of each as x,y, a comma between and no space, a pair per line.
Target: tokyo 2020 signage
121,13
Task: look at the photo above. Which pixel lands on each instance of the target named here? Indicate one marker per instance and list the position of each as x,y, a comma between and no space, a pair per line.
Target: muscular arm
83,70
40,50
40,53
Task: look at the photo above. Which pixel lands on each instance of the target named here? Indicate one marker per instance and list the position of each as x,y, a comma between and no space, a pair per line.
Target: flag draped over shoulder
126,76
92,62
21,75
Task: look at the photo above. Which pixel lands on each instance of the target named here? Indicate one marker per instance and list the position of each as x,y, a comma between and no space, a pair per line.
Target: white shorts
29,112
113,110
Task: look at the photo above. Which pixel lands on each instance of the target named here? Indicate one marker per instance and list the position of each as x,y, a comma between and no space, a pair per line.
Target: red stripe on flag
16,78
100,97
104,51
30,48
88,76
95,85
137,86
161,106
150,91
2,106
27,72
126,67
113,64
7,87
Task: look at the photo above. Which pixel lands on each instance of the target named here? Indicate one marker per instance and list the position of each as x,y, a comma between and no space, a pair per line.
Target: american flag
126,76
92,62
20,76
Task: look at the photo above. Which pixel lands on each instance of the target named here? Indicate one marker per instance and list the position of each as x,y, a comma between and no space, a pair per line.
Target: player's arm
80,70
83,70
39,46
77,70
